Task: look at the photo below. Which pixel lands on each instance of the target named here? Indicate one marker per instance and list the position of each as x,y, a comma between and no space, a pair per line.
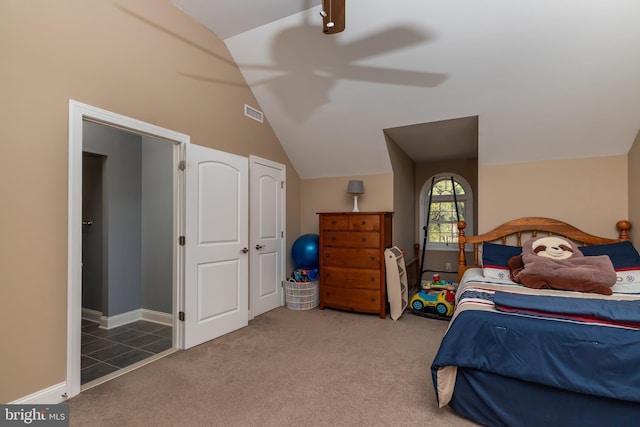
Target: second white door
267,235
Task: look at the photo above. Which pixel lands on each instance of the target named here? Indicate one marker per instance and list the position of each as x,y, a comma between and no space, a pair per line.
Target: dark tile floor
106,351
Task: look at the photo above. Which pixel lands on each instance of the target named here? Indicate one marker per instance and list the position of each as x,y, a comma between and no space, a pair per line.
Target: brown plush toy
556,263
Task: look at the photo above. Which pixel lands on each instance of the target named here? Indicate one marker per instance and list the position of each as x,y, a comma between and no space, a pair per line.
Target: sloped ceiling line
547,79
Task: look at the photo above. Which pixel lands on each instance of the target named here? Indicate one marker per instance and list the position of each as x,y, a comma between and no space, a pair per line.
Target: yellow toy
442,302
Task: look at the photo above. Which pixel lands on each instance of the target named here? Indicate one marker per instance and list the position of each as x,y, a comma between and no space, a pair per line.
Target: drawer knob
333,238
373,258
364,239
373,299
373,279
364,222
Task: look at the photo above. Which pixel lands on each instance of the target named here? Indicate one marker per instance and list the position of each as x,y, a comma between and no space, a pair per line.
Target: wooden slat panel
531,225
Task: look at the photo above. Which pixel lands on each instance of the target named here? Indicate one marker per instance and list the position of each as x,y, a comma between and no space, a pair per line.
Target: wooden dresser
351,258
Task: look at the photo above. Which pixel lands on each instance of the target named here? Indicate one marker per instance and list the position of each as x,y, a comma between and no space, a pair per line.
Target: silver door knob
245,250
258,247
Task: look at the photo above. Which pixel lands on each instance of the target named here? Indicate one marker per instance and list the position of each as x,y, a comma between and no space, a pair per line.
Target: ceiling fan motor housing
333,16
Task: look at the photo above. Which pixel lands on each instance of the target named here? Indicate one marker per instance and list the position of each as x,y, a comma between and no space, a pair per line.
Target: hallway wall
123,214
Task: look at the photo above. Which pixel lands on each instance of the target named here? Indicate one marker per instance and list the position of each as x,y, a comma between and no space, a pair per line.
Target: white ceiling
543,79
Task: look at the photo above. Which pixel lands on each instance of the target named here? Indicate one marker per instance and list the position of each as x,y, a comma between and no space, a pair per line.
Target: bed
517,356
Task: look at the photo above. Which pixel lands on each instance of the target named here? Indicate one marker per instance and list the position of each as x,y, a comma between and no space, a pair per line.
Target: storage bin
301,295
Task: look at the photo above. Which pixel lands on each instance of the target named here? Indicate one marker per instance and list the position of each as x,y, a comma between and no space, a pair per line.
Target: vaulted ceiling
539,80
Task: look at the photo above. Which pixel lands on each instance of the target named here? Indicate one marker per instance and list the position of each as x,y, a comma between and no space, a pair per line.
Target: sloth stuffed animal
555,263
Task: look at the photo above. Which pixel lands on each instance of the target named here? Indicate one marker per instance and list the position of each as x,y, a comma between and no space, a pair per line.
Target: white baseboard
157,317
119,319
91,315
134,315
48,396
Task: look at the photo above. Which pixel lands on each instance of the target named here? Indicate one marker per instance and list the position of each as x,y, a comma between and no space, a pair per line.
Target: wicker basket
301,295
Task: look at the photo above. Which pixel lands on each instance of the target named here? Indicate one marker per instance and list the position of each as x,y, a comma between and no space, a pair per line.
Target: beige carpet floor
287,368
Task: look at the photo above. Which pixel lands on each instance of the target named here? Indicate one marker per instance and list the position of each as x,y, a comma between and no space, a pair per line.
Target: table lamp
355,188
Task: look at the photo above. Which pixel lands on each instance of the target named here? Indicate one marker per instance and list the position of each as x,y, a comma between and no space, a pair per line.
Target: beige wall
330,195
404,201
591,194
143,59
633,164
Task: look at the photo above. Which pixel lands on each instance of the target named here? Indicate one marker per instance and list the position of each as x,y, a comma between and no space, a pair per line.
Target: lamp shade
355,187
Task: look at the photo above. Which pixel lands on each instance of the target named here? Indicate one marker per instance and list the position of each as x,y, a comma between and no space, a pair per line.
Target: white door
216,244
267,234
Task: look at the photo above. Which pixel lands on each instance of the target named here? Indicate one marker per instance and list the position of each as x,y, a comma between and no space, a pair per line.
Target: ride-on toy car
441,302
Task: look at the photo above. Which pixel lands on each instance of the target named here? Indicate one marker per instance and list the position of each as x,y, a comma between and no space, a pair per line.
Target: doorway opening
122,306
127,216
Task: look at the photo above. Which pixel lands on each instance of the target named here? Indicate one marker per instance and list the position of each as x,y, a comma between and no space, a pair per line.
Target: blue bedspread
582,357
621,313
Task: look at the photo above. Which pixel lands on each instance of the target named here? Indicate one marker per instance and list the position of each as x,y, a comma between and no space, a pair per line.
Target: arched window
442,224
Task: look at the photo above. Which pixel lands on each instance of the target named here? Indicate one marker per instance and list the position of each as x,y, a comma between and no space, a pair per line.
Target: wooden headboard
529,226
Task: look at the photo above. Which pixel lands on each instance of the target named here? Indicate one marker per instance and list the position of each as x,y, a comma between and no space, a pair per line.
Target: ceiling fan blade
383,42
334,17
390,76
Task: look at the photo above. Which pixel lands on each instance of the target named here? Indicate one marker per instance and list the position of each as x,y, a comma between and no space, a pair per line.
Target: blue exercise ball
305,251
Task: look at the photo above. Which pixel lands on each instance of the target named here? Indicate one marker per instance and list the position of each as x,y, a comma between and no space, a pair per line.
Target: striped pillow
495,259
624,257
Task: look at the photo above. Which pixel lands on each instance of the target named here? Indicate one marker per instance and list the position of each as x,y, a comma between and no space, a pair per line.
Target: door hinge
181,240
181,316
182,165
281,184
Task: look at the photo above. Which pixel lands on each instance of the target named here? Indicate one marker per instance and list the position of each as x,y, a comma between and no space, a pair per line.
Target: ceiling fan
333,16
299,62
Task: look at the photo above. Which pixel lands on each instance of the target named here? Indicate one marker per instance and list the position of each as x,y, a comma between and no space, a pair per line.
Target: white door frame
79,112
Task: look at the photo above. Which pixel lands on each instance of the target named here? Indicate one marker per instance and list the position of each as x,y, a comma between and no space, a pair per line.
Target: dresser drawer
362,300
351,278
334,222
351,258
366,239
364,223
